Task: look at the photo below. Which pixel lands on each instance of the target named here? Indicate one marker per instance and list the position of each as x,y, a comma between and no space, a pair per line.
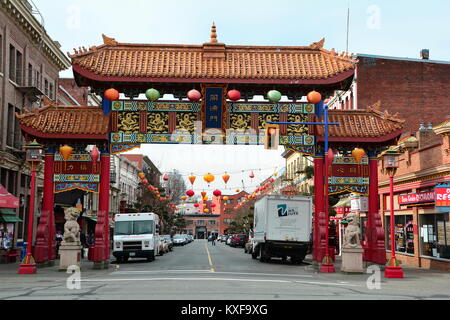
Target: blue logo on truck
283,211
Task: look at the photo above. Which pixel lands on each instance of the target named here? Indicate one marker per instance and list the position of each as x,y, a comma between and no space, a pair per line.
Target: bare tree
175,187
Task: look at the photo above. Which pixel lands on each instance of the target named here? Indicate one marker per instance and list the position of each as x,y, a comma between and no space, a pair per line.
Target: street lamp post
34,157
390,164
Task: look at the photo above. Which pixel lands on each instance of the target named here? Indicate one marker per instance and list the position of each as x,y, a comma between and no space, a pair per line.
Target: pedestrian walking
83,243
213,239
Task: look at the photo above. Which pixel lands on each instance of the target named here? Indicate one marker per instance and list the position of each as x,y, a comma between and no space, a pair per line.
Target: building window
12,63
19,67
17,132
200,222
52,91
212,222
30,75
10,126
46,87
435,235
404,234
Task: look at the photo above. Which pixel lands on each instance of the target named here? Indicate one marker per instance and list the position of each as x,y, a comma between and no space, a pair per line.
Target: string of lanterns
194,95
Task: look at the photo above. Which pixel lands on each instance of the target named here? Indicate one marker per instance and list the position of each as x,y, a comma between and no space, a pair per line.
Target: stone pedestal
352,260
70,255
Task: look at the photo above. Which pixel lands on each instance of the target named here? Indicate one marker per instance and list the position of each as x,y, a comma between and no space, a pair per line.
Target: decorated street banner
78,172
349,176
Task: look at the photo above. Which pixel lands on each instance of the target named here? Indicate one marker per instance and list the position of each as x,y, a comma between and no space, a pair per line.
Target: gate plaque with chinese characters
79,172
349,176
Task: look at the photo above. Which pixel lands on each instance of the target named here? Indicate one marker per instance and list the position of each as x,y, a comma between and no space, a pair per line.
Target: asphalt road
200,271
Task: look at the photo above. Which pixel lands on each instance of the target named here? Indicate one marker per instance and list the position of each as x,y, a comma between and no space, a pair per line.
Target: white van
136,235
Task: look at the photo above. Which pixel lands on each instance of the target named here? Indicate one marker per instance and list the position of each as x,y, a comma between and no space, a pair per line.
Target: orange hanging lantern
112,94
358,154
314,97
206,211
66,151
226,178
237,190
141,175
183,198
226,198
203,194
192,179
209,178
205,199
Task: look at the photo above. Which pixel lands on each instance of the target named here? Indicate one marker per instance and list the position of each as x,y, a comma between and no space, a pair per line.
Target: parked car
188,240
249,246
179,240
239,240
169,241
222,238
191,237
228,241
163,246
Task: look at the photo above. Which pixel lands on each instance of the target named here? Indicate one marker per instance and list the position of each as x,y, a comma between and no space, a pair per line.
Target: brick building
69,94
30,62
226,209
418,89
422,231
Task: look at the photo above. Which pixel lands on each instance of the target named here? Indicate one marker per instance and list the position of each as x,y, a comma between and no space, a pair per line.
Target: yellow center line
209,257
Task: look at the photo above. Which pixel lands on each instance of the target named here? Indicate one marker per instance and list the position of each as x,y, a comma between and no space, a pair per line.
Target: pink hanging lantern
252,175
194,95
95,154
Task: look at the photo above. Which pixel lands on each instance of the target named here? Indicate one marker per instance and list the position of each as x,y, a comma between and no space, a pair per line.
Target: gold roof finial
213,34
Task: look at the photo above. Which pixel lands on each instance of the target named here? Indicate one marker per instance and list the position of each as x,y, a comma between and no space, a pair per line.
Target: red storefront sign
416,198
442,196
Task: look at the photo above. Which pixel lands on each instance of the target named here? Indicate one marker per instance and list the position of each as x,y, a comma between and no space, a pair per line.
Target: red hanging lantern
314,97
166,177
272,180
150,188
226,178
190,193
112,94
194,95
217,193
203,194
234,95
145,181
330,156
95,154
213,205
196,205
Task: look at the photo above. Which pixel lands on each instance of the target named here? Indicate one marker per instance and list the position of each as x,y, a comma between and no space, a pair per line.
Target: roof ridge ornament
318,45
213,33
109,41
376,108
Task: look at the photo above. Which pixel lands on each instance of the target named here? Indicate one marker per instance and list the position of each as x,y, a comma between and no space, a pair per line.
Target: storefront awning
8,219
7,200
7,212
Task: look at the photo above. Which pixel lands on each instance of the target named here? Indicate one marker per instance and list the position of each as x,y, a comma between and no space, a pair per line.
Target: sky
397,28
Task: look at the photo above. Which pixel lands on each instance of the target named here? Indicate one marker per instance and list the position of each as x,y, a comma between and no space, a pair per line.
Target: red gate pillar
45,243
100,254
105,167
319,227
376,250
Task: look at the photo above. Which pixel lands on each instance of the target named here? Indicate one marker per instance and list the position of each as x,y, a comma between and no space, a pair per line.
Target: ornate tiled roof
367,124
213,60
60,122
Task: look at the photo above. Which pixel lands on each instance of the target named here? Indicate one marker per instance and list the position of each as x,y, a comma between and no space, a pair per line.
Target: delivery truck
282,227
136,235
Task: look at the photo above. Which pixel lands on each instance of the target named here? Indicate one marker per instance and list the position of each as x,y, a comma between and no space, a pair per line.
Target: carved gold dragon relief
158,122
186,121
263,118
128,122
297,129
240,122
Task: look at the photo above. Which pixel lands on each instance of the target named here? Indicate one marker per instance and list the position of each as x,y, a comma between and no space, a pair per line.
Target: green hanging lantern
274,96
152,94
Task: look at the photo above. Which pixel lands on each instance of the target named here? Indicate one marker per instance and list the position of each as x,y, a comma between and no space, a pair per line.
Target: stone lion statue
352,236
71,227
